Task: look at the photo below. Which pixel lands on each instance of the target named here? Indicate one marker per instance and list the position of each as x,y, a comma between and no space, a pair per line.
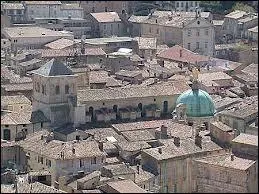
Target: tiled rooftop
19,99
104,17
224,160
165,89
60,43
187,147
173,53
53,149
244,138
32,32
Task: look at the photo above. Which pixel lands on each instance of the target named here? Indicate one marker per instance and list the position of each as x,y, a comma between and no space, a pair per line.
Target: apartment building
237,22
193,30
51,9
106,24
60,158
106,6
16,11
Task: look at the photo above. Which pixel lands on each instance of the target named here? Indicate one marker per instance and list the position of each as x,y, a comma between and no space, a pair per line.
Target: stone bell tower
53,85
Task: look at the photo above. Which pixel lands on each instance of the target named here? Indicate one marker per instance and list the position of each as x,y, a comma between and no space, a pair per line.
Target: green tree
243,7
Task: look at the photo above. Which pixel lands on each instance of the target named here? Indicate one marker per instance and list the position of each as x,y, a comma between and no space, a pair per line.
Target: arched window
7,134
57,90
66,89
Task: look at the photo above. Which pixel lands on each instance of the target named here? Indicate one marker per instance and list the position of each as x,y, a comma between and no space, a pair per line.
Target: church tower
53,85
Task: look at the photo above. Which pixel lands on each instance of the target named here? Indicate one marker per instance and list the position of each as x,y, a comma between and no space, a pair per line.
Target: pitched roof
53,148
173,53
60,43
124,186
104,17
19,99
244,138
236,14
49,53
54,68
165,89
224,160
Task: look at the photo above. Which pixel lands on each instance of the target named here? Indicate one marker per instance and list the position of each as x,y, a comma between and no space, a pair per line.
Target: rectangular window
189,46
104,27
66,89
206,32
181,4
81,163
177,4
57,90
197,45
40,159
206,45
157,31
48,163
43,89
150,30
189,32
93,160
191,3
198,33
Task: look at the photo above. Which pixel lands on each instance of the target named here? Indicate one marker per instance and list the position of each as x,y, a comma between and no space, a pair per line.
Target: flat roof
32,32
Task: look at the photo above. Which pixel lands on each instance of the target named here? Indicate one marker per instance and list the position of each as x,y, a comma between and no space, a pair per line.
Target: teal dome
198,103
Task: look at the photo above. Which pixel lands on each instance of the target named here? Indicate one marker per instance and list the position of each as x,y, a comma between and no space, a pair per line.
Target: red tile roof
173,53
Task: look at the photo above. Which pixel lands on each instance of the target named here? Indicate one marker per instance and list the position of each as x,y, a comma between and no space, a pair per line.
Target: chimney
198,141
181,53
101,146
41,137
138,169
127,165
160,150
177,141
163,130
73,150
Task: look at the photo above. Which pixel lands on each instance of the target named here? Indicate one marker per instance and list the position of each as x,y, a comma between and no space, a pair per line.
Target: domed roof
198,102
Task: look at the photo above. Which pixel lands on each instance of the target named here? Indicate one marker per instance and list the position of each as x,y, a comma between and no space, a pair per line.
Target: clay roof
70,52
104,17
12,6
19,99
60,43
53,148
244,138
173,53
224,160
164,89
187,147
125,186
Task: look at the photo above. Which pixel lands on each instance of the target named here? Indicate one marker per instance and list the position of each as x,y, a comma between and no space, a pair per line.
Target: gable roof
173,53
106,17
54,68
